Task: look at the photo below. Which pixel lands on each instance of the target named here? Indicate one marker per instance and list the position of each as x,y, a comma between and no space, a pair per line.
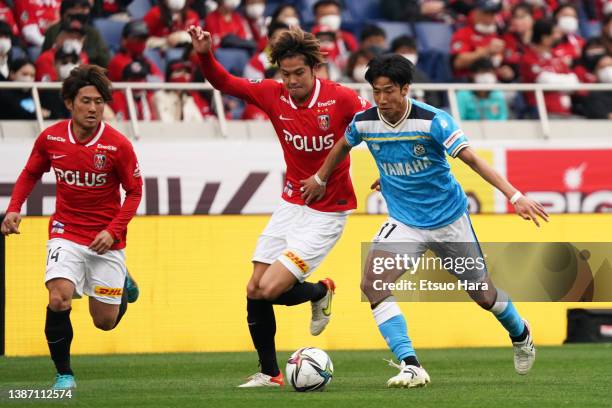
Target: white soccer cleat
524,353
263,380
409,376
321,309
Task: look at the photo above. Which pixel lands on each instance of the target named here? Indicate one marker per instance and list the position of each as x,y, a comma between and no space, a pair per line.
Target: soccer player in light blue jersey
427,207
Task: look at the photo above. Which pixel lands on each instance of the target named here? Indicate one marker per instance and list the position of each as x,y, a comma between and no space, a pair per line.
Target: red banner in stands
564,180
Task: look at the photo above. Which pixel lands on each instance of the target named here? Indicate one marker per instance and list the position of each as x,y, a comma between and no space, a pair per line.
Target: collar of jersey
315,95
399,122
92,141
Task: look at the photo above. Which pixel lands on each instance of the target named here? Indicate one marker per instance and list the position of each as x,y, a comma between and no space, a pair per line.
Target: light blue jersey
415,177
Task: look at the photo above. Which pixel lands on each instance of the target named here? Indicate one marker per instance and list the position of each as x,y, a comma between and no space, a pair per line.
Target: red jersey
570,49
219,26
467,39
6,15
88,176
532,65
45,65
306,133
42,13
158,28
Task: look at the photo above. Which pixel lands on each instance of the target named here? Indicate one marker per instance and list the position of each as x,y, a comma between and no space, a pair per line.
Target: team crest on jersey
419,149
323,121
99,160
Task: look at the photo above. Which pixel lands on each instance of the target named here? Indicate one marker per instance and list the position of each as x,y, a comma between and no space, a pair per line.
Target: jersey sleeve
128,171
257,92
38,164
352,135
447,133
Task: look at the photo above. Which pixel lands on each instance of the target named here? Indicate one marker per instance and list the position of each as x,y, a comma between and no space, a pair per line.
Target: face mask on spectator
181,77
568,24
359,73
64,70
24,78
255,10
414,58
333,21
291,21
175,5
605,75
486,28
497,60
485,78
72,45
5,45
231,4
135,47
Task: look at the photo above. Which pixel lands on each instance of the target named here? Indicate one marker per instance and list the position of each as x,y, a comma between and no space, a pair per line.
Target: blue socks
508,316
392,326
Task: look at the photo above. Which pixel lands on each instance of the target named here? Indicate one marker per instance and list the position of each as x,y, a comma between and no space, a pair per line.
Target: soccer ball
309,369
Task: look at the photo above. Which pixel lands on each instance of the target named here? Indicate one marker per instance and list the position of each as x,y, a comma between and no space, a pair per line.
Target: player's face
297,77
389,96
87,107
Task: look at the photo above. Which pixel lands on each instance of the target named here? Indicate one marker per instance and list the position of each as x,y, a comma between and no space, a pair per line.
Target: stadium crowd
480,41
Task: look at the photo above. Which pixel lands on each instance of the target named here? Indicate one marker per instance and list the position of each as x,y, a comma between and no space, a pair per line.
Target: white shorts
299,237
456,240
99,276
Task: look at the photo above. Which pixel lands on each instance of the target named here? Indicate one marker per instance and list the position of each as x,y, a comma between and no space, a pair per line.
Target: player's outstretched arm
10,224
525,207
313,188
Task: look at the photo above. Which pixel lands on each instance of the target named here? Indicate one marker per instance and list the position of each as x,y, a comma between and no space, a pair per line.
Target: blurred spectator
168,23
116,9
328,14
68,46
135,71
35,17
540,65
482,105
518,36
18,103
598,105
322,71
180,106
606,32
77,13
330,48
406,47
415,10
227,27
254,11
6,15
6,44
260,63
287,14
374,39
478,40
585,68
133,43
570,46
539,8
358,65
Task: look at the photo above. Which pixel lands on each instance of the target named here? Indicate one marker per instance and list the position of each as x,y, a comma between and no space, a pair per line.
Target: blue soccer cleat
64,382
132,288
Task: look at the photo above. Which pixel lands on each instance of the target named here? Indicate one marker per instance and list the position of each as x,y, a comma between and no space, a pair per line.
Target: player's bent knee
59,302
253,291
270,293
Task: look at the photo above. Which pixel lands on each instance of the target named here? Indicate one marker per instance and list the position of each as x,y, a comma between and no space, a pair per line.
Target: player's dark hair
296,42
541,28
86,75
393,66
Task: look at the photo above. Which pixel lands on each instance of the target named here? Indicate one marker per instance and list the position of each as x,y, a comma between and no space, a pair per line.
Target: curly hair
295,42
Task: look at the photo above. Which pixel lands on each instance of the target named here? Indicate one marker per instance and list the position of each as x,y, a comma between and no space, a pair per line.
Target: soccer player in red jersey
87,233
309,115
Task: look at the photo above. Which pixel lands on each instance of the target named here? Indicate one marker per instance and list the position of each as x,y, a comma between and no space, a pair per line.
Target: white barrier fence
363,89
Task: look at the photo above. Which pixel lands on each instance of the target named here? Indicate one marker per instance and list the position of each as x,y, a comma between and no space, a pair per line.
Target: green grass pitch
568,376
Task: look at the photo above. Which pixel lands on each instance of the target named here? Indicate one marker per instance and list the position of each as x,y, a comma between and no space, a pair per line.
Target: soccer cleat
524,353
263,380
321,309
409,376
132,288
64,382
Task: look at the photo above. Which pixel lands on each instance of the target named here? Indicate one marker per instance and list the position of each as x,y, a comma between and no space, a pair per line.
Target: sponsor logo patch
297,261
56,138
106,291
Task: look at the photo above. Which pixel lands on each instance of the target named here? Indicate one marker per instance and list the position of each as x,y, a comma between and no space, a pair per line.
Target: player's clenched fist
10,224
201,40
